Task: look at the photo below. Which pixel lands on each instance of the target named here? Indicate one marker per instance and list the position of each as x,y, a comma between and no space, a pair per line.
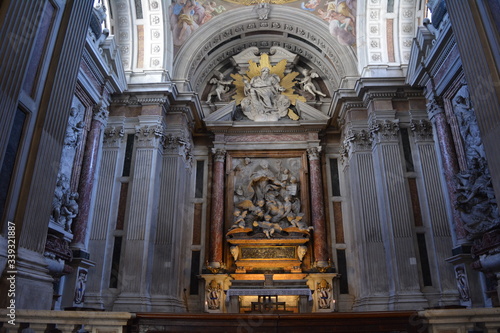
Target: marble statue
59,193
469,128
222,87
69,210
307,85
264,101
239,218
74,129
266,197
476,199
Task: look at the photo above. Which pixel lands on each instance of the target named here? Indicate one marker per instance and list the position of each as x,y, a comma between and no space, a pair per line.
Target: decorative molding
56,248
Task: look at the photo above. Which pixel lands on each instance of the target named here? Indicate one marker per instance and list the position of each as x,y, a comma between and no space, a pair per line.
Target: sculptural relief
213,295
476,199
266,199
264,92
264,101
221,88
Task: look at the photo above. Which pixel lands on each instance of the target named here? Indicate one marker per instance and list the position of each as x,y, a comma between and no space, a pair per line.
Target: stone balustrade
486,320
40,321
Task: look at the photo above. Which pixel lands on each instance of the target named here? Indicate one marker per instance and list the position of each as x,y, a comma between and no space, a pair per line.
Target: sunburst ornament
251,95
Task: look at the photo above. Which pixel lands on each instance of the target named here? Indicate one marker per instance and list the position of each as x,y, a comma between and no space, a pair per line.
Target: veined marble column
449,160
87,177
318,209
217,214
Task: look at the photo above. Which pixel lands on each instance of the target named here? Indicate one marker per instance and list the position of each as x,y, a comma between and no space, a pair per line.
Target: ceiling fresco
187,16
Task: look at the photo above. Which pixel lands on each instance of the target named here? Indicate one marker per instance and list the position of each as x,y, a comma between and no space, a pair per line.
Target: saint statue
264,101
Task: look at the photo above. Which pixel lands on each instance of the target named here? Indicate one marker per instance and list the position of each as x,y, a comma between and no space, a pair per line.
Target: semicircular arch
218,40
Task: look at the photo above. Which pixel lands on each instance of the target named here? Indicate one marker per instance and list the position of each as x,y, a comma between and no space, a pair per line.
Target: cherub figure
268,227
307,84
296,221
221,88
239,219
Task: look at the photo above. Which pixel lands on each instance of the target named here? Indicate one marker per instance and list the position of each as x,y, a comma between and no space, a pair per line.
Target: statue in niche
64,203
469,129
222,87
69,210
74,129
265,92
59,194
264,101
213,295
476,199
266,198
307,85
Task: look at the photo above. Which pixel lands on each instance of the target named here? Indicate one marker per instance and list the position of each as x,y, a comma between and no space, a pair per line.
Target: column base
132,302
214,298
33,284
325,291
75,284
167,304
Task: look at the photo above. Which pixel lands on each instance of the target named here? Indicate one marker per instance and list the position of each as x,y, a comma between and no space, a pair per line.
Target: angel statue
221,88
307,84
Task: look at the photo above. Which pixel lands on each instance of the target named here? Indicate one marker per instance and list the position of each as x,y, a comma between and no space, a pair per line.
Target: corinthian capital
314,153
101,114
219,154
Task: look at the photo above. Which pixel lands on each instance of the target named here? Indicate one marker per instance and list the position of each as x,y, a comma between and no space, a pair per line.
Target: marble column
88,174
320,246
449,160
217,214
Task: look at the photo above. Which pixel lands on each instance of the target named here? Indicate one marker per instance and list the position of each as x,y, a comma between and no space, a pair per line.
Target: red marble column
217,214
450,162
320,245
86,185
